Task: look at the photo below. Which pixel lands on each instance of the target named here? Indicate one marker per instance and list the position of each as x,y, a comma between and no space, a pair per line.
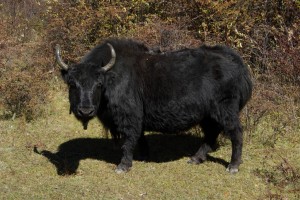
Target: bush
23,80
266,33
24,93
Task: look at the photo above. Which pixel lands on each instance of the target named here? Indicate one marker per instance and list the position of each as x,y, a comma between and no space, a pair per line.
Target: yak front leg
128,147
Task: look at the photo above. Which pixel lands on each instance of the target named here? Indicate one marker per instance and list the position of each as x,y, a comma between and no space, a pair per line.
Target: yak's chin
84,121
85,124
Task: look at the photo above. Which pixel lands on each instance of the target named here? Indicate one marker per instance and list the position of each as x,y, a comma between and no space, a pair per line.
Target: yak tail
246,90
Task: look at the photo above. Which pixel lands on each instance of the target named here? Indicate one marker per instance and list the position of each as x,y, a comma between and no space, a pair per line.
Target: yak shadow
163,148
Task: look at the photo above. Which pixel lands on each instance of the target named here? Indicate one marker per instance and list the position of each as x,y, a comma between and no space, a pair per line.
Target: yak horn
58,58
112,61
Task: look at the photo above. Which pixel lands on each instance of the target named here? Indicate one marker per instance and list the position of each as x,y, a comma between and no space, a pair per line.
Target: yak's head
85,81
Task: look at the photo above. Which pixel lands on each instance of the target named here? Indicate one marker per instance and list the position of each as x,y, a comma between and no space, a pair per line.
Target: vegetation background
34,107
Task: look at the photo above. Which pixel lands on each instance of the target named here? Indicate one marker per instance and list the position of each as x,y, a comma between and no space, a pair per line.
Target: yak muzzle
86,111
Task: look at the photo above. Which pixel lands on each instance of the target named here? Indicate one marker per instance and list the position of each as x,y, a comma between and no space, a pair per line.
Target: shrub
22,68
24,93
266,33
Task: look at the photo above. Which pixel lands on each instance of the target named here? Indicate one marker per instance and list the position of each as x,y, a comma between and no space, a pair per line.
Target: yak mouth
83,114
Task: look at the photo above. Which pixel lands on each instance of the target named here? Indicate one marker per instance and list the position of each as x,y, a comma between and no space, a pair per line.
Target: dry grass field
78,164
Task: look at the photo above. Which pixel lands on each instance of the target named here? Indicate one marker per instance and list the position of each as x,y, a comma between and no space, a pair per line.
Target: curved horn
112,61
58,58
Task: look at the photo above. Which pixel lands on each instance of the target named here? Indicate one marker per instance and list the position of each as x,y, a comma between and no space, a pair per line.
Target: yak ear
64,74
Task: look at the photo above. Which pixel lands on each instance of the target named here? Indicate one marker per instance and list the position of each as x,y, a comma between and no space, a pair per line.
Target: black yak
132,89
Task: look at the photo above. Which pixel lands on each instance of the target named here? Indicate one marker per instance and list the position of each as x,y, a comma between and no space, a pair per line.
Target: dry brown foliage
266,33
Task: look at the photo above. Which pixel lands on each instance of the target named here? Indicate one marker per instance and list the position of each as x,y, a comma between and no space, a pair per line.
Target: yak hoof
195,161
121,169
232,169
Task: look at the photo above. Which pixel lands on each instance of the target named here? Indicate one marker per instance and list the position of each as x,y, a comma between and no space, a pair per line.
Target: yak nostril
86,111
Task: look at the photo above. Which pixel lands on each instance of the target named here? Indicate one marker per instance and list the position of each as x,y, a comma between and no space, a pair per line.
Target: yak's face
85,83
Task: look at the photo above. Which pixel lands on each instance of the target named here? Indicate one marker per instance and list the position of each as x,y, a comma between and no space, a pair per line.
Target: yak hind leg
236,136
211,131
229,119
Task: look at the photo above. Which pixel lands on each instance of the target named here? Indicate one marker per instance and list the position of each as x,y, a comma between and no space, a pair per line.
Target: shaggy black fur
166,92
